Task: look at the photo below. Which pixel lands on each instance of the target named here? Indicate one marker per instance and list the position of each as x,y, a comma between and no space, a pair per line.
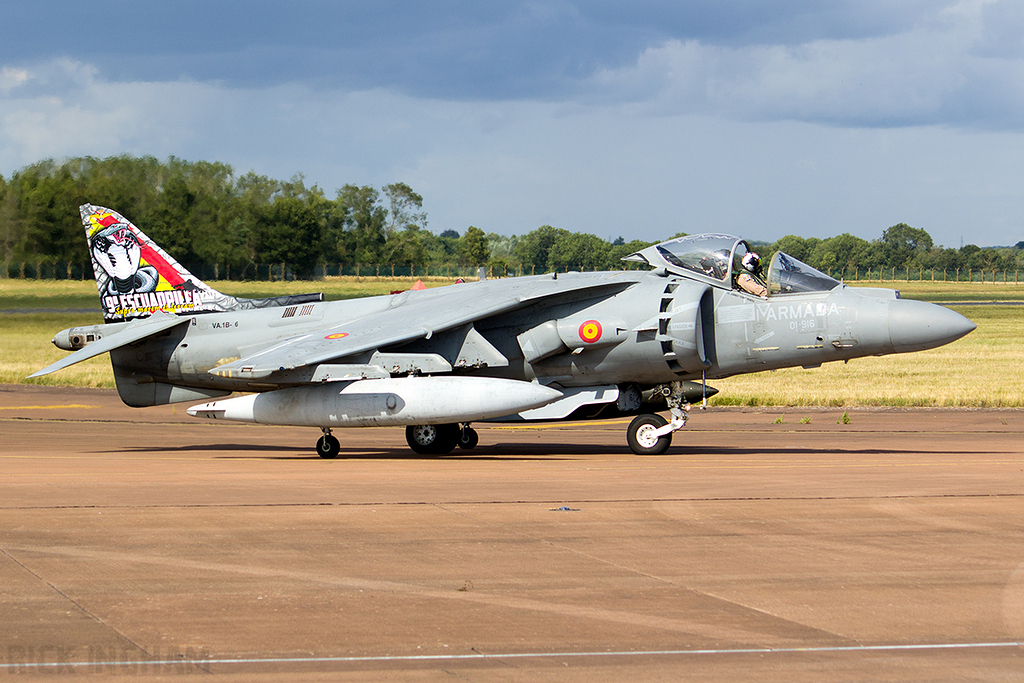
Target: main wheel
468,438
642,439
327,447
432,439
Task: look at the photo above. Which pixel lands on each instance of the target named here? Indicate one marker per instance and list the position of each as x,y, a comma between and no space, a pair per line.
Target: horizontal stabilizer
130,334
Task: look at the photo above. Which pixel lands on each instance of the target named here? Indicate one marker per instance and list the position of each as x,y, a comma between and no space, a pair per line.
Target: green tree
503,248
797,247
213,210
289,231
10,231
902,243
578,251
533,247
839,252
947,259
405,230
405,208
127,184
406,246
360,219
251,194
170,223
49,214
441,249
189,214
473,249
617,252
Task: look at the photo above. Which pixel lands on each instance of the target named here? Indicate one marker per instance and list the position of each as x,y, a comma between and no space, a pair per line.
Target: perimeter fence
263,272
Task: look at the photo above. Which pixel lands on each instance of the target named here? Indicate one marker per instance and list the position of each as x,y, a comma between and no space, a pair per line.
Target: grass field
940,292
75,294
980,370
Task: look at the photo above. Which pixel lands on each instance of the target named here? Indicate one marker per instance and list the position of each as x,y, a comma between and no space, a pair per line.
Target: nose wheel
327,446
643,438
651,434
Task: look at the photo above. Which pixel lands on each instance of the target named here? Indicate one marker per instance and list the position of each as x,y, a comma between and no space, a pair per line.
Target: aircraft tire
432,439
447,439
328,447
639,437
468,438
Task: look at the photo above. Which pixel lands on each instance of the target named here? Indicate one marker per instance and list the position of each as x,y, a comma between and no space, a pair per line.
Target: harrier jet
560,346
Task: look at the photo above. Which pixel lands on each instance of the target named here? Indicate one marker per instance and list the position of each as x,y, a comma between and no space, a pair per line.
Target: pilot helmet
751,262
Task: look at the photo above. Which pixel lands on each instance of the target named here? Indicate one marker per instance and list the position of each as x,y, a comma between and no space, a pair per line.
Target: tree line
203,213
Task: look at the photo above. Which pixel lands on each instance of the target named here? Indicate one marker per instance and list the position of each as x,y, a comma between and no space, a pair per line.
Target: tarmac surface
148,544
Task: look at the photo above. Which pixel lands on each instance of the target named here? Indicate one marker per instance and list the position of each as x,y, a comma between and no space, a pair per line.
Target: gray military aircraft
546,347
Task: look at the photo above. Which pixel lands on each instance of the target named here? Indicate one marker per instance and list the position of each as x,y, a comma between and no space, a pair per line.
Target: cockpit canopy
786,275
718,259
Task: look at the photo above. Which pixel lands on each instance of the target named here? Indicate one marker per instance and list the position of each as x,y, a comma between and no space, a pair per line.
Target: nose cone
918,325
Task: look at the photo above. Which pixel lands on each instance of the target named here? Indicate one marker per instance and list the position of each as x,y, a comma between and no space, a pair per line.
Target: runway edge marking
528,655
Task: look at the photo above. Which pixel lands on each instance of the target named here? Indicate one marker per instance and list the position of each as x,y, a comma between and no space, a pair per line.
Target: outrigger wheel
327,446
642,436
468,438
432,439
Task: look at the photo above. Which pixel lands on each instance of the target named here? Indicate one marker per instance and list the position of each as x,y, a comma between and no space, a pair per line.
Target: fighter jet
559,346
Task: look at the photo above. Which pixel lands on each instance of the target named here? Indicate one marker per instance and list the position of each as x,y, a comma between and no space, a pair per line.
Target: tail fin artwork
136,278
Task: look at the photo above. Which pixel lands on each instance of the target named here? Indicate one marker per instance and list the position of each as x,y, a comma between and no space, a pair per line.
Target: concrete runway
147,543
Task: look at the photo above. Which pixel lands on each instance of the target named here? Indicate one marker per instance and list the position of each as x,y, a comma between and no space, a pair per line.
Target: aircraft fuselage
657,329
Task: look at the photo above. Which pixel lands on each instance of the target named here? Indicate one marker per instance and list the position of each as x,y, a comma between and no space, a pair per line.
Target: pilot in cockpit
750,278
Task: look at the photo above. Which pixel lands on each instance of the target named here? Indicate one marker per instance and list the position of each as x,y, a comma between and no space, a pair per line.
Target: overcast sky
639,119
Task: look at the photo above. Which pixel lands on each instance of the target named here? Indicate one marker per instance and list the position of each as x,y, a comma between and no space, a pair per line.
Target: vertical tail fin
136,278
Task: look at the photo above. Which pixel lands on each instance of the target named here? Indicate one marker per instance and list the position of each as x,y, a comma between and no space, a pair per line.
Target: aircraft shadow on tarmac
207,447
516,451
274,452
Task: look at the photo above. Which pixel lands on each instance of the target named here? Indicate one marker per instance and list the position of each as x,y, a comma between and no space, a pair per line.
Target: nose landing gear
650,434
642,437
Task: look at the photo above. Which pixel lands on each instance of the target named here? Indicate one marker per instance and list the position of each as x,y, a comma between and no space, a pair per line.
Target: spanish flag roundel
590,331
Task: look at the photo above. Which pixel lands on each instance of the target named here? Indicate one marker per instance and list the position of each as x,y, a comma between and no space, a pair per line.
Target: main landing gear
440,439
651,434
327,446
424,439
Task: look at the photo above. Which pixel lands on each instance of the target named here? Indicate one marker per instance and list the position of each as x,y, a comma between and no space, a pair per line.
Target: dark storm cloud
454,49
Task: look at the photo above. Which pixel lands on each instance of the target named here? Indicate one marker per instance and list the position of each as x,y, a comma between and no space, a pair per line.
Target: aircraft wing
413,315
133,333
